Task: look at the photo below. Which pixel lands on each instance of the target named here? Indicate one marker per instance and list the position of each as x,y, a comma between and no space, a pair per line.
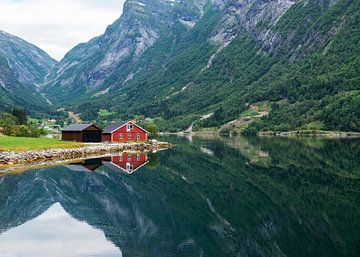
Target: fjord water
205,197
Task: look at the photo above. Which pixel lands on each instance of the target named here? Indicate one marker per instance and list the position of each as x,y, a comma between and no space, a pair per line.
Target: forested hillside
247,66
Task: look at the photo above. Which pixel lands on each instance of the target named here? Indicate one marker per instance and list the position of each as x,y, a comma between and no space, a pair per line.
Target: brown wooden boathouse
87,133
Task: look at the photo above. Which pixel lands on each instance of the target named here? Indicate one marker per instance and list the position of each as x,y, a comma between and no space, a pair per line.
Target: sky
56,26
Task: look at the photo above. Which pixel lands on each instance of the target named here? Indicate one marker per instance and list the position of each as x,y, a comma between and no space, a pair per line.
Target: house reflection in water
87,165
125,162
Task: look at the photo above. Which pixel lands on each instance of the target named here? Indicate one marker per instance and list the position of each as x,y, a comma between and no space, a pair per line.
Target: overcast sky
58,25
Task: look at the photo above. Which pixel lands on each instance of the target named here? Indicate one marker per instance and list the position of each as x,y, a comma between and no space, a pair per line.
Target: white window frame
129,167
129,127
138,136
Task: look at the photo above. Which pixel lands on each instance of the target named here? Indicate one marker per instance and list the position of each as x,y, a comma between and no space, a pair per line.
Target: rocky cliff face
97,64
256,17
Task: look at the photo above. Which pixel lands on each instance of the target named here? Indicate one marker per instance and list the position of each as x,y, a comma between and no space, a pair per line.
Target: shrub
152,129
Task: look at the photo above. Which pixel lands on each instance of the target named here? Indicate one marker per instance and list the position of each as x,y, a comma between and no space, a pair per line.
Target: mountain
23,67
251,65
13,93
29,63
106,61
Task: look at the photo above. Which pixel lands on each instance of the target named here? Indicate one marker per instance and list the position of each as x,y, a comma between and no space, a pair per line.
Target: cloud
58,25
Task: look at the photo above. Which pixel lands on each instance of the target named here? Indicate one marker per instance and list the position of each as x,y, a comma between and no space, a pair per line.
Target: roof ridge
79,127
113,126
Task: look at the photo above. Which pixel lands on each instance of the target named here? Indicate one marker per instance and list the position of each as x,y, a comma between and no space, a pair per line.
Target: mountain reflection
213,197
56,230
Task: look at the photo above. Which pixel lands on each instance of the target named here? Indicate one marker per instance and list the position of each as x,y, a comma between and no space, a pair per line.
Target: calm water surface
205,197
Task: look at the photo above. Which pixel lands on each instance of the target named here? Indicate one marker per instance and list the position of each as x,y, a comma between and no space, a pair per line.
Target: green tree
152,129
7,120
154,162
20,115
19,131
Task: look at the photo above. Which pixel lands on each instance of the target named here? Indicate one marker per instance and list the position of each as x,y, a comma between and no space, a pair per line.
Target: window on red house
120,136
129,167
129,135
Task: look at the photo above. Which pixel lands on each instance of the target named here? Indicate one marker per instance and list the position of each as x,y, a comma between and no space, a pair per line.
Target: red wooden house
127,162
124,132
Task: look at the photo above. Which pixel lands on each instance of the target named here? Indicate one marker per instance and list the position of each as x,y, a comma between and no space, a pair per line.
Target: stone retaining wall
8,158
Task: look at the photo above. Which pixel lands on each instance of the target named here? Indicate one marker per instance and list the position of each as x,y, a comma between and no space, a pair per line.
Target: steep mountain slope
105,62
29,63
300,57
15,94
22,67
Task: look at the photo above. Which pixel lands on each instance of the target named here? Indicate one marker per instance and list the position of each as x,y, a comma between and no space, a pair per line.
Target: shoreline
10,160
326,134
304,133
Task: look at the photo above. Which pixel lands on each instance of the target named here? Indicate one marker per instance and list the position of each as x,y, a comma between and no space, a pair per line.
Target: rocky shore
11,158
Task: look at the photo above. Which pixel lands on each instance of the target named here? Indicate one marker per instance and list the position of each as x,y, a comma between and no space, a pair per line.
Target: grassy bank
20,144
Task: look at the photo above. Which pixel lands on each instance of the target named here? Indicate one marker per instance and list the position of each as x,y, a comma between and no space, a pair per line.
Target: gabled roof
112,127
77,168
78,127
115,167
115,126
